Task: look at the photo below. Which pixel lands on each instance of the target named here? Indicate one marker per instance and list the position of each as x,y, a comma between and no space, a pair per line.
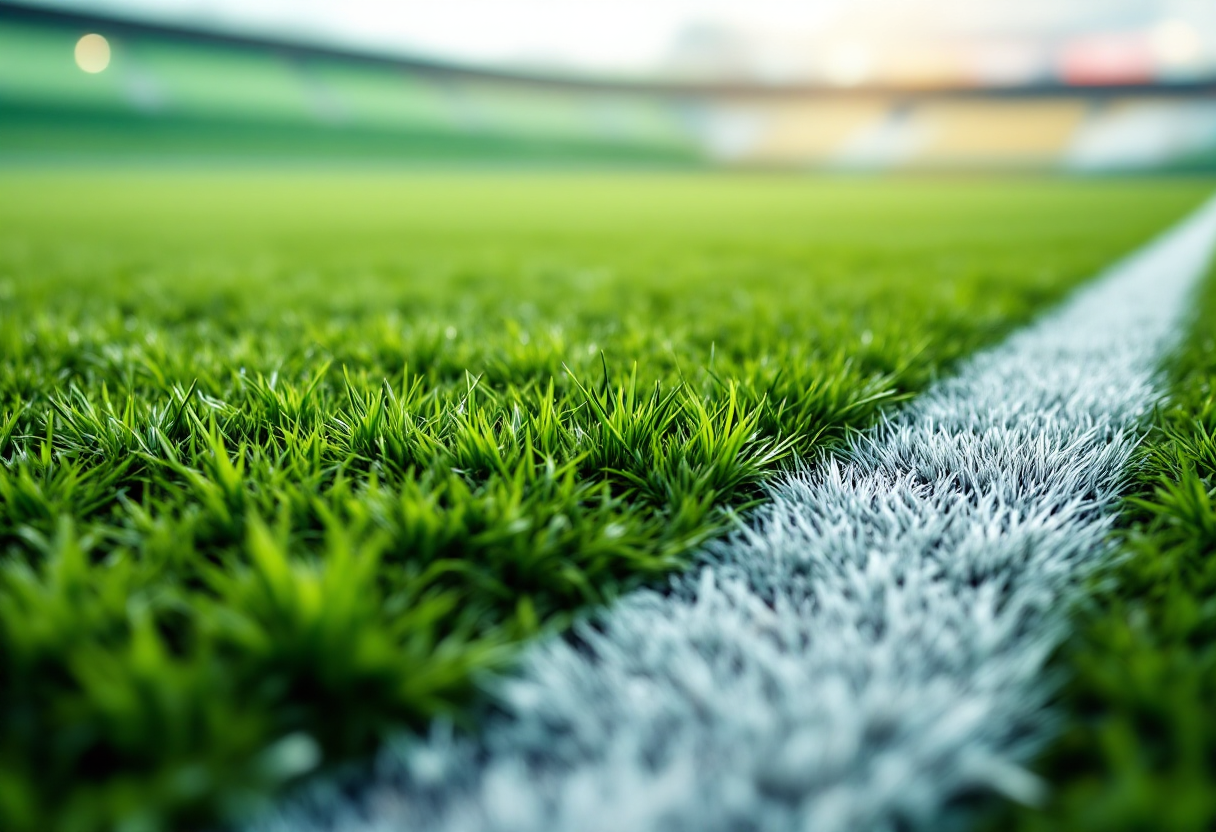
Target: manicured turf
289,460
1139,747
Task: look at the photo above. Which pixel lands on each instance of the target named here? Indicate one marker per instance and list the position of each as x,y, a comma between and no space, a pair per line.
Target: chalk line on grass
869,650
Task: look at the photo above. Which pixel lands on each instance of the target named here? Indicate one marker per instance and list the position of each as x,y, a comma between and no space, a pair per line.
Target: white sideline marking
871,649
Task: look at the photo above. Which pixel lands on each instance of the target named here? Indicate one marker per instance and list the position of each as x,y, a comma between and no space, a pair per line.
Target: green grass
288,462
1139,747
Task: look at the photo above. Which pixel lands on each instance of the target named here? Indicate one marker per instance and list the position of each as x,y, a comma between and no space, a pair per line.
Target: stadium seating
207,93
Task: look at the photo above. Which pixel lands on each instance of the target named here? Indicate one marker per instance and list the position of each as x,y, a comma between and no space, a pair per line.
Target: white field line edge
869,650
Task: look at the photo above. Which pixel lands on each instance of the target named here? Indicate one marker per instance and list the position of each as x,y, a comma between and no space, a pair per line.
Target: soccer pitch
294,462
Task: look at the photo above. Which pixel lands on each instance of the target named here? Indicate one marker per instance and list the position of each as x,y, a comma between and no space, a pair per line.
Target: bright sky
644,37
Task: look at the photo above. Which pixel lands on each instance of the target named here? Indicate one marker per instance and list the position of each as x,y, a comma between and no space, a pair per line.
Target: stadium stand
1027,132
1145,133
813,133
170,91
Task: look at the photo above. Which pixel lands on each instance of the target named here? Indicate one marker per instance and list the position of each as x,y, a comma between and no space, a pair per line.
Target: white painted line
870,650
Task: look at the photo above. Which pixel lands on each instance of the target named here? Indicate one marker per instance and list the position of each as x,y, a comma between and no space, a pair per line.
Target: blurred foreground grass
286,461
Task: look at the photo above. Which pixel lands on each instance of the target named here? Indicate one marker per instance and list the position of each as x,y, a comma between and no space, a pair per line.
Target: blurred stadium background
1131,87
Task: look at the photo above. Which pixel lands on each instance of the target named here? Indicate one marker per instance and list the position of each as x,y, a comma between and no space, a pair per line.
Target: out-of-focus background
1091,85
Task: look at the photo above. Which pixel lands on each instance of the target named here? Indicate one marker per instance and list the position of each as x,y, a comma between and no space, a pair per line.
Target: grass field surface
288,461
869,652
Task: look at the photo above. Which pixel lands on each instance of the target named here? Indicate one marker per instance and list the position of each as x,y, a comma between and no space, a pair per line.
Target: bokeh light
92,53
1177,44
